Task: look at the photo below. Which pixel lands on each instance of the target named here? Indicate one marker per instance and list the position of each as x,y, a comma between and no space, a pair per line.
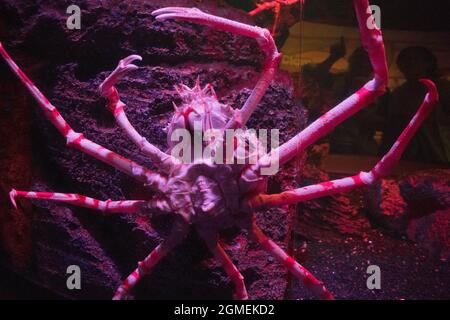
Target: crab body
217,188
205,188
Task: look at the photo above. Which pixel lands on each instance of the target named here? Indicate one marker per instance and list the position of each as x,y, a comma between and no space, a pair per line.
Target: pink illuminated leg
77,140
277,12
144,267
382,168
109,91
262,36
276,6
179,232
108,206
293,266
231,270
372,41
262,7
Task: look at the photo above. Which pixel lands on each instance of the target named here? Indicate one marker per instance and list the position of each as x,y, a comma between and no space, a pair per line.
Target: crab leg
109,91
293,266
372,41
381,170
178,233
231,270
144,267
276,6
77,140
262,7
270,5
262,36
128,206
277,12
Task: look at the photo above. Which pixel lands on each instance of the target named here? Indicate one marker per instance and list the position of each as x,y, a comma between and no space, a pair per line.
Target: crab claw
433,95
178,13
125,65
12,197
192,15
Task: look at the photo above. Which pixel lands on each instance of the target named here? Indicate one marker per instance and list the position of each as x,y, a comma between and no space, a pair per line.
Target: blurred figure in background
318,82
431,143
357,134
322,90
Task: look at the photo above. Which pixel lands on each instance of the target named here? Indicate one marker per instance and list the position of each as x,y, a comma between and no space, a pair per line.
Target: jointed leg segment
373,43
382,168
232,271
293,266
178,233
109,91
77,140
221,256
126,206
262,36
144,267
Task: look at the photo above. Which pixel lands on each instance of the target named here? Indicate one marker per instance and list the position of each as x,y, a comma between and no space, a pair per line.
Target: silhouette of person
431,143
356,135
323,90
318,81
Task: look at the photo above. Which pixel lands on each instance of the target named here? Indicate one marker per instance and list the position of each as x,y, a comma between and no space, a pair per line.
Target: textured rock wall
416,206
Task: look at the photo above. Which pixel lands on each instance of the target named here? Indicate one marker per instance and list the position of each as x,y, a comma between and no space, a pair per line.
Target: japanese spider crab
211,196
276,7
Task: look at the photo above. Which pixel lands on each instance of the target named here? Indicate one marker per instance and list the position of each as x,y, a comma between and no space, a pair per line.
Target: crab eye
195,121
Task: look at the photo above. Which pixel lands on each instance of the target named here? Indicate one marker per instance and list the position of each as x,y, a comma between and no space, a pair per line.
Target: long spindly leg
372,41
109,91
381,169
77,140
127,206
221,256
276,23
262,7
293,266
262,36
232,271
276,6
178,233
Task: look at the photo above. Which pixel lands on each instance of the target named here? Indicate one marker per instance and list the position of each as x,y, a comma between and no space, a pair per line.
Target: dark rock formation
428,196
339,214
387,207
338,237
416,206
68,66
433,233
426,192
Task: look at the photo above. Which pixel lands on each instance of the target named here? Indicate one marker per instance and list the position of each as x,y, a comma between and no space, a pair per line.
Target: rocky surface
416,206
387,207
426,192
69,67
433,233
339,237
